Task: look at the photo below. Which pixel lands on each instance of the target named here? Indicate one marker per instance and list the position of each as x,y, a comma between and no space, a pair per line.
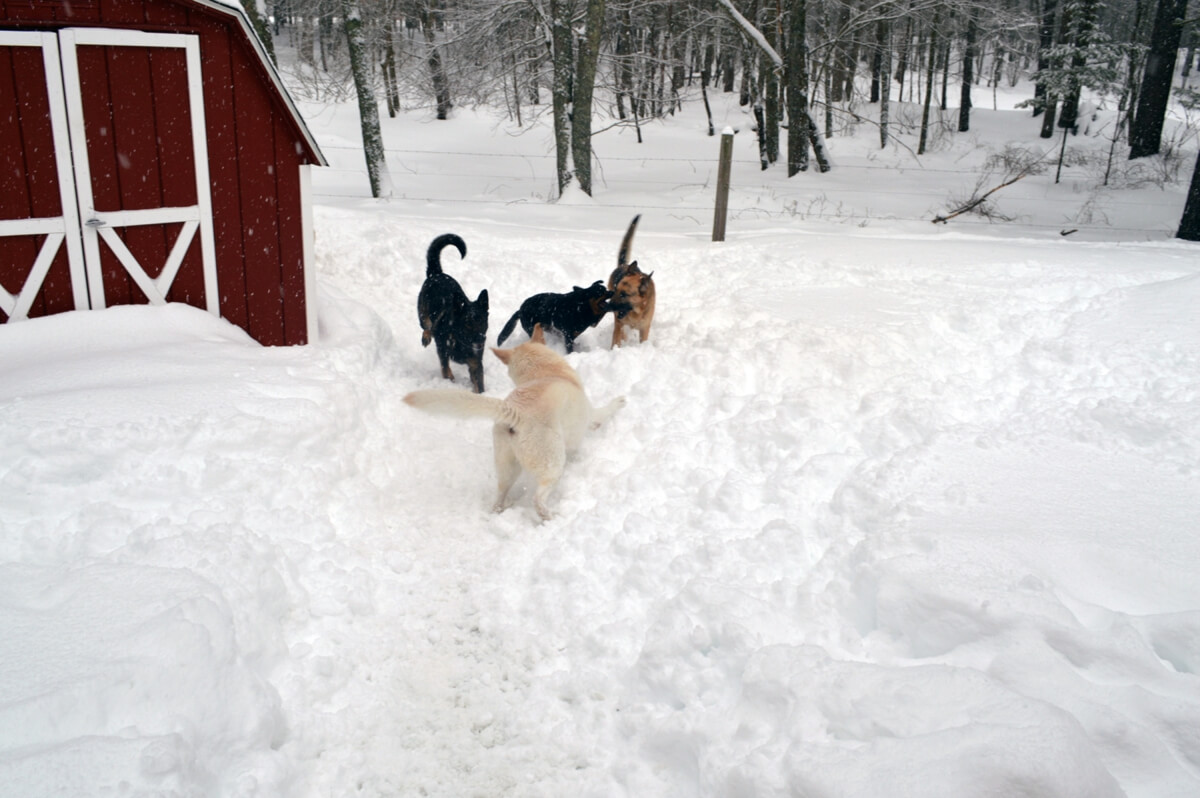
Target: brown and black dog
632,302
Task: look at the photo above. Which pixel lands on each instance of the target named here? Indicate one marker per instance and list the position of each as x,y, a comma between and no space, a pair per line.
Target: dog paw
543,511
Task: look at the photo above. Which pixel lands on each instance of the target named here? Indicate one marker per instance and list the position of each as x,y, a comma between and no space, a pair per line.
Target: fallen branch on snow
975,202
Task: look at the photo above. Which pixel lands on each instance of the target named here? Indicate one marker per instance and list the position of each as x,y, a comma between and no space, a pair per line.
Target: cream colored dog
537,424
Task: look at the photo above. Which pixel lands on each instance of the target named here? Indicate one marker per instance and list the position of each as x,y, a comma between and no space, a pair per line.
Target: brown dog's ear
538,336
505,355
645,284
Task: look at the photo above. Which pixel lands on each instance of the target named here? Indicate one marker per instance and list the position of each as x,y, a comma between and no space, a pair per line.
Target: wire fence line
798,201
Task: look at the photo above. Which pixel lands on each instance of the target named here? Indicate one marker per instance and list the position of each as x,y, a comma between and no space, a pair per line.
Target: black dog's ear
483,299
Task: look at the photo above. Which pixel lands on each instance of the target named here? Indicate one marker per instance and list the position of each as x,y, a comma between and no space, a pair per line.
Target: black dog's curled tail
508,328
627,243
433,257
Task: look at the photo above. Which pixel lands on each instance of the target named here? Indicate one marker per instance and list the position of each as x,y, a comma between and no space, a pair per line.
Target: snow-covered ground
893,509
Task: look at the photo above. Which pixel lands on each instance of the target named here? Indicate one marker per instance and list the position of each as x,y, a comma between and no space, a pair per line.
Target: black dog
457,325
567,314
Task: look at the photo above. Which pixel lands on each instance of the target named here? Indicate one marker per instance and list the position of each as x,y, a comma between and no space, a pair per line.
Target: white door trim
99,226
59,230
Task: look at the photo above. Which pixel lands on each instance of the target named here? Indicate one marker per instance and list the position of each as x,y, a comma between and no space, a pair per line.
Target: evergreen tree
260,27
1084,58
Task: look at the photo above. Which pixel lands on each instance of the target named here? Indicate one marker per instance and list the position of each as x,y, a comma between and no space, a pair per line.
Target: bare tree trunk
624,70
945,65
776,60
1051,109
390,81
367,110
796,76
1145,137
885,67
764,160
968,73
933,48
1129,98
561,59
585,83
1189,225
902,66
771,81
437,70
748,92
877,61
704,78
324,38
304,45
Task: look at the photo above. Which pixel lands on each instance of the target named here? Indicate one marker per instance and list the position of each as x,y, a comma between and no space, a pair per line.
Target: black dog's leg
444,357
475,369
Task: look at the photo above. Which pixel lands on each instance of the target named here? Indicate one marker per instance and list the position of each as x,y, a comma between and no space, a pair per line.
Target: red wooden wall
255,148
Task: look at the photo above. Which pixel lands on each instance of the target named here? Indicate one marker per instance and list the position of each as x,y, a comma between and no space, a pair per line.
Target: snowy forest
806,69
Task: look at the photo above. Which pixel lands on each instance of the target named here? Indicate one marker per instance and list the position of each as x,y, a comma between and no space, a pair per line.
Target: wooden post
722,209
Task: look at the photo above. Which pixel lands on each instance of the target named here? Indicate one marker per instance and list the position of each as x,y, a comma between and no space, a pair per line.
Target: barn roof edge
235,10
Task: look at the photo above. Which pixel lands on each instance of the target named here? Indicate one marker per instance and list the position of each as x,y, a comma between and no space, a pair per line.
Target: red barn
149,153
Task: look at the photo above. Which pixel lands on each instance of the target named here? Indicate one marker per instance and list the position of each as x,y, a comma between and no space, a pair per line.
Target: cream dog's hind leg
507,466
543,453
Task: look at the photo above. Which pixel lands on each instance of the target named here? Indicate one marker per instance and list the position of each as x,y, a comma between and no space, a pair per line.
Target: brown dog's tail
433,256
627,243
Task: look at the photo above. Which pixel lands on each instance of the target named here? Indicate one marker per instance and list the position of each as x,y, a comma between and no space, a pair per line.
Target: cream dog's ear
538,336
505,355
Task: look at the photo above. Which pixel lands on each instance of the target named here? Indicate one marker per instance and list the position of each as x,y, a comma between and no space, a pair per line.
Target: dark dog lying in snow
566,314
456,325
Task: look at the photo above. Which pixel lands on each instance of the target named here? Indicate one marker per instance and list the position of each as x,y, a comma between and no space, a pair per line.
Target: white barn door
130,169
124,179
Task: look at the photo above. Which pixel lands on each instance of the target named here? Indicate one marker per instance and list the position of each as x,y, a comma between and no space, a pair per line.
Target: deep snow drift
893,509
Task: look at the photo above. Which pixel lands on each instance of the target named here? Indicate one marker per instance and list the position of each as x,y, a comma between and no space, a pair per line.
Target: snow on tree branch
753,32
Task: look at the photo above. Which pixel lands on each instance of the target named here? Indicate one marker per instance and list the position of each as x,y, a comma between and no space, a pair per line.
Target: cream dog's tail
461,404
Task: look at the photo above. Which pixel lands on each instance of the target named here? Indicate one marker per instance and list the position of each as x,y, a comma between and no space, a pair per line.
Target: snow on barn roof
235,9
